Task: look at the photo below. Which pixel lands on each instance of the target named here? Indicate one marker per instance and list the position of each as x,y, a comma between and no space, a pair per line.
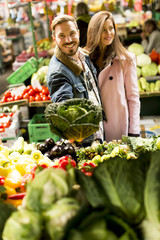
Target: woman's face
107,34
149,28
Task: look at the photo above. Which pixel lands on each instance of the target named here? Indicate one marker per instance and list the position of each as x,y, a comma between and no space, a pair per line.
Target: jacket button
110,78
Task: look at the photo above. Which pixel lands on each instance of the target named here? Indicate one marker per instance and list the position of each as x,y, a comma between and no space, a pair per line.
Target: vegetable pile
147,65
74,119
120,201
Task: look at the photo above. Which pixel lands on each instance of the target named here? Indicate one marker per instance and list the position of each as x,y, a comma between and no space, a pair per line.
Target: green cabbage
40,77
159,69
143,59
149,70
136,48
47,187
5,212
23,224
139,72
74,119
57,216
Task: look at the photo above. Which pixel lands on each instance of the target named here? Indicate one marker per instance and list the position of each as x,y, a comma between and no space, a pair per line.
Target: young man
70,73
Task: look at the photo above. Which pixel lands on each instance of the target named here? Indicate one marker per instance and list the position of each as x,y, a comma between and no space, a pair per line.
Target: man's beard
70,52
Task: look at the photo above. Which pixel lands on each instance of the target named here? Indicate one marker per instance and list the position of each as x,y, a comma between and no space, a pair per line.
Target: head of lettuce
75,119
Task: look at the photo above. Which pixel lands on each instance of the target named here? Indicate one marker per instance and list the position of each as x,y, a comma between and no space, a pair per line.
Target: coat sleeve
59,86
132,95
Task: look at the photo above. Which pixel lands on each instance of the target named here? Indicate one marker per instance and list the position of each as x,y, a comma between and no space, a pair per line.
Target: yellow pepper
15,203
10,191
13,179
36,155
4,171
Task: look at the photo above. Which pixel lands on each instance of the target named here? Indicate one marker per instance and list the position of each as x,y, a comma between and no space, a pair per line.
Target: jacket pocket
79,91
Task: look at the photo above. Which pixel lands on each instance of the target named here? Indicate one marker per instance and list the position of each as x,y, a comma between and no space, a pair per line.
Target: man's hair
60,19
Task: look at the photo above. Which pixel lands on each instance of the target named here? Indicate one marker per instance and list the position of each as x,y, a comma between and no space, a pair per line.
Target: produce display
118,200
145,86
23,92
147,65
74,119
40,77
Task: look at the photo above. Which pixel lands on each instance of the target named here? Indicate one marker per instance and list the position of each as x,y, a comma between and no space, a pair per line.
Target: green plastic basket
39,130
24,72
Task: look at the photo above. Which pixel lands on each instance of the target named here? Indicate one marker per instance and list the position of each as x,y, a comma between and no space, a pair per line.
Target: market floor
3,78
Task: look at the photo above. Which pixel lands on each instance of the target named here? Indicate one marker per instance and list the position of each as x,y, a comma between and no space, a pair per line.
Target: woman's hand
143,35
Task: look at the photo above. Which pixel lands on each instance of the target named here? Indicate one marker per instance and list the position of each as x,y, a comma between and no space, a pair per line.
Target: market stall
52,186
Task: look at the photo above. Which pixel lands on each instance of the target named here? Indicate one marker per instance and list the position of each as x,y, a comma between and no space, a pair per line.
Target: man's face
67,37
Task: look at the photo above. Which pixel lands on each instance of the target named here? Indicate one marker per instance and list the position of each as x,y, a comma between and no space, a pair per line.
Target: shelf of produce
149,94
39,103
19,102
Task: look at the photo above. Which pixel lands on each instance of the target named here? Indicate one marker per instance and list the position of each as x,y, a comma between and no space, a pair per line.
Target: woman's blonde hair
94,36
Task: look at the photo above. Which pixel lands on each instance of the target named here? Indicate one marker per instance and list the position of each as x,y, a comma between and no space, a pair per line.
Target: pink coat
120,98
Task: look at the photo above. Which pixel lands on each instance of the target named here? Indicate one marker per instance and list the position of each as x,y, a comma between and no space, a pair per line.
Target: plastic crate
24,72
39,130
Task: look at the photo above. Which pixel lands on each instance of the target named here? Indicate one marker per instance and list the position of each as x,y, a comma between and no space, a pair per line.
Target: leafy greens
74,119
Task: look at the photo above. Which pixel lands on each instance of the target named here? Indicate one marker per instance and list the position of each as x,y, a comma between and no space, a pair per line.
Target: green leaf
90,189
78,132
74,119
122,181
152,190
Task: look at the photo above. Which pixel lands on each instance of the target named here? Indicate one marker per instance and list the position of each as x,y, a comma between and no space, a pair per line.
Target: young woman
117,77
151,36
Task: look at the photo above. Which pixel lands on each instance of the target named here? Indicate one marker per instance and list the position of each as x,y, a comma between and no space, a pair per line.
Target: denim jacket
65,78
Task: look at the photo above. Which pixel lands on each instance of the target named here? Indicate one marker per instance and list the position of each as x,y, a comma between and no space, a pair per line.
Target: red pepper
88,167
17,196
66,162
27,177
44,166
154,56
88,173
2,180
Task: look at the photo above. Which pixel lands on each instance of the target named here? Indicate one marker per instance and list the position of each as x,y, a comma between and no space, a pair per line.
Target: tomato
7,94
32,92
1,125
6,124
2,130
3,100
18,97
45,90
31,98
29,87
25,91
11,114
37,97
49,97
36,90
2,115
44,98
26,96
10,99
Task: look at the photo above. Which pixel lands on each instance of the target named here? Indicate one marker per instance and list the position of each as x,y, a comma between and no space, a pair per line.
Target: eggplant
48,154
50,143
56,151
43,147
